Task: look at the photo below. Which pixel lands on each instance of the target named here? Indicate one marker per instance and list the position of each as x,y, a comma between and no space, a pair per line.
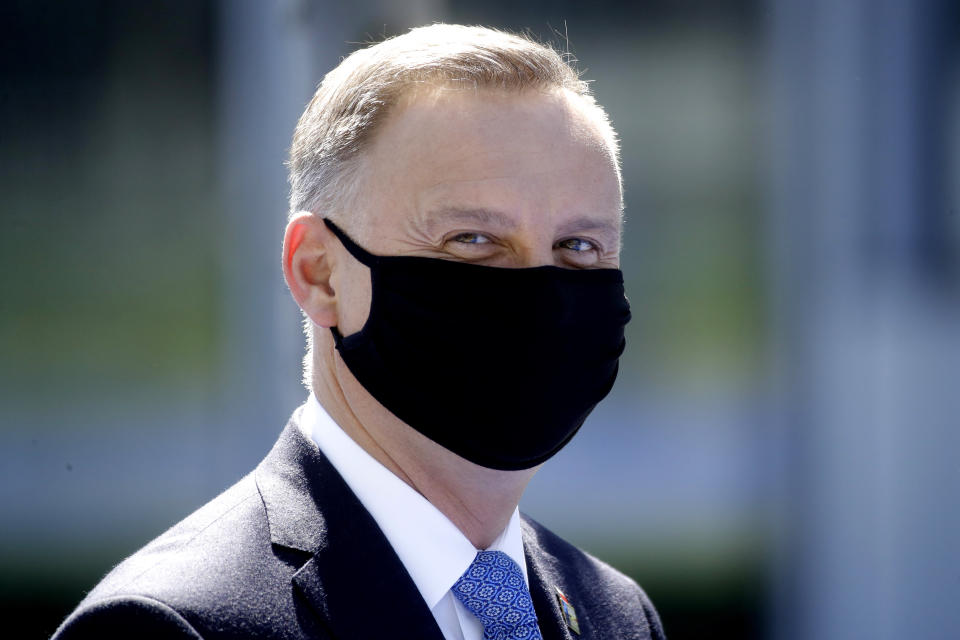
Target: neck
478,500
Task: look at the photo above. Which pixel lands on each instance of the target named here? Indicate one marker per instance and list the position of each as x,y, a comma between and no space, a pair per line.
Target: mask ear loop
362,255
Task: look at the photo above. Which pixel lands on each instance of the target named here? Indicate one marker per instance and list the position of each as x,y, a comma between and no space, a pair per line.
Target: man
453,244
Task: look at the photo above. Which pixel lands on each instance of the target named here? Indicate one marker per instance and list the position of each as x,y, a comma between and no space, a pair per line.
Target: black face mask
500,366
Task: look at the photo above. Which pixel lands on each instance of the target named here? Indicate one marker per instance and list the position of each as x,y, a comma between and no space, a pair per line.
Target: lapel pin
569,613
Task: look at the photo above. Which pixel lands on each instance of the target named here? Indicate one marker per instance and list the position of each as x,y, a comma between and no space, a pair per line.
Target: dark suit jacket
289,552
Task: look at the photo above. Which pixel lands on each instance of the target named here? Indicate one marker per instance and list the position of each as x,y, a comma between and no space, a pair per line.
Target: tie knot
493,589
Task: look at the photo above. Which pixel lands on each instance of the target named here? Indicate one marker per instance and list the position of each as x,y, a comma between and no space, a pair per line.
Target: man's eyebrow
477,216
609,231
604,227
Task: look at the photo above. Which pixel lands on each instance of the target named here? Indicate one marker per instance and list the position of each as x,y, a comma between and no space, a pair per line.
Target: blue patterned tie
493,589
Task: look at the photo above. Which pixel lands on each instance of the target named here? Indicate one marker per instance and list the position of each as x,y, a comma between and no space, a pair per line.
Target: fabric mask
500,366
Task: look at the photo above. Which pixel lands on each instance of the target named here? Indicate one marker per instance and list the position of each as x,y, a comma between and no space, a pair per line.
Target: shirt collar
434,552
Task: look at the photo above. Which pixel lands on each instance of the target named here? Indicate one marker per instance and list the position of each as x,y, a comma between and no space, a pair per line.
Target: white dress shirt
434,552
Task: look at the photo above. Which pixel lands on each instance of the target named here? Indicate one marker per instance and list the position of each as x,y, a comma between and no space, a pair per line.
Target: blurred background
780,456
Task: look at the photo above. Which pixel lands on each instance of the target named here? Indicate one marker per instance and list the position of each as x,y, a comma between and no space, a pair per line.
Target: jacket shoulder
126,617
190,549
615,599
213,574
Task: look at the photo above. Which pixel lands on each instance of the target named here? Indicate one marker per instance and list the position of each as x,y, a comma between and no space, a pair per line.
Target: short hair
356,96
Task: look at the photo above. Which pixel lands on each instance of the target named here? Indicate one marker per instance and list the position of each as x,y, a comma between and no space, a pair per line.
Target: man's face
495,178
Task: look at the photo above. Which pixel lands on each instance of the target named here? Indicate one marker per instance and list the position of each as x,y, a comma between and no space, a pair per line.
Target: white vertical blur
865,322
265,78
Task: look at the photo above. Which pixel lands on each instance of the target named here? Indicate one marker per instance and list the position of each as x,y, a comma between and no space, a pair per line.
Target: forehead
540,158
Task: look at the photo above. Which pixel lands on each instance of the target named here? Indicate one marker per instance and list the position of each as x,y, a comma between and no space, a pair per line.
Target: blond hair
356,96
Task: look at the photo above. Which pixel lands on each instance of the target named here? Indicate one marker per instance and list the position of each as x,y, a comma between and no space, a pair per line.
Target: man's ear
307,267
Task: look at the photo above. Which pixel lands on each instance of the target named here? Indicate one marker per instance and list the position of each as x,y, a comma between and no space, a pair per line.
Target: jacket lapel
354,581
365,594
543,589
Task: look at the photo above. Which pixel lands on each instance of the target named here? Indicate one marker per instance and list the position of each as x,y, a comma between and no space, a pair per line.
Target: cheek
354,293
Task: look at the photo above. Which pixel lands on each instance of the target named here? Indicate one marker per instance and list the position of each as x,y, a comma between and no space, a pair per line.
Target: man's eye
471,238
577,244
